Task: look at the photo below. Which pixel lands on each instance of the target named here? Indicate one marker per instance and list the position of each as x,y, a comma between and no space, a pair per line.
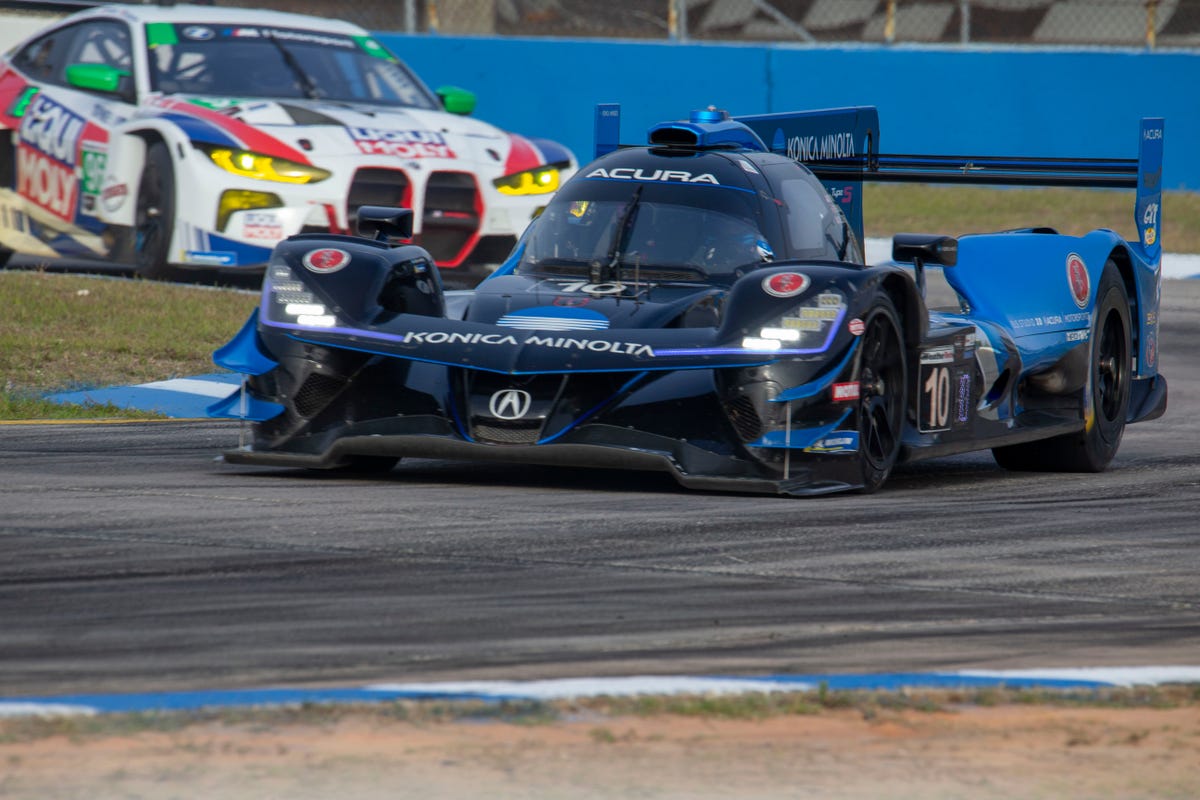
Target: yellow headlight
249,164
542,180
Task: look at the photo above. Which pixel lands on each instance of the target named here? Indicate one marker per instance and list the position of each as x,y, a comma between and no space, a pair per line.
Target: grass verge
64,333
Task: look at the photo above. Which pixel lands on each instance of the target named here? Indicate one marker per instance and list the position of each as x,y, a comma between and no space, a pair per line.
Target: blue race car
700,305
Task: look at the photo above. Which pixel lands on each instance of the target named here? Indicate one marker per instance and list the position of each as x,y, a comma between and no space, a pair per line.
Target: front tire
883,390
154,222
1092,449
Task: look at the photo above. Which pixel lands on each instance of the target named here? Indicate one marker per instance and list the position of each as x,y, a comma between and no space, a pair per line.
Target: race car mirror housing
384,222
101,78
922,249
926,247
456,100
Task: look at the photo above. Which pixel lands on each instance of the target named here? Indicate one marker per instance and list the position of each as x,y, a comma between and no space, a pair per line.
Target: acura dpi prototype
700,306
168,137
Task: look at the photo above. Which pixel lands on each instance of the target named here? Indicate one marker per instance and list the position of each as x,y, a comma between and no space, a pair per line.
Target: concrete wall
1018,101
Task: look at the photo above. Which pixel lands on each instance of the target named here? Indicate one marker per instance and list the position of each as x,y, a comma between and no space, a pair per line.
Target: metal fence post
1151,23
889,25
964,21
410,16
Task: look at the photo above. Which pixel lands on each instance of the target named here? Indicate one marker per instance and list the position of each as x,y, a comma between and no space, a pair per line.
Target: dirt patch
953,752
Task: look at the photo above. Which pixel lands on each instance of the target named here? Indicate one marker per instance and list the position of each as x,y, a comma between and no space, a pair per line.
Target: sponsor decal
856,326
262,225
571,302
93,158
220,258
199,33
811,148
510,403
557,342
836,442
402,144
1151,236
1150,215
962,403
1151,179
325,260
1078,336
1078,280
1153,133
747,166
843,392
113,197
843,195
938,355
47,154
46,183
664,175
785,284
1151,349
1151,317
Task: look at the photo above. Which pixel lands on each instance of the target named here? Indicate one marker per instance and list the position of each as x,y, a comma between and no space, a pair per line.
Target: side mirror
926,248
101,78
922,249
383,222
456,100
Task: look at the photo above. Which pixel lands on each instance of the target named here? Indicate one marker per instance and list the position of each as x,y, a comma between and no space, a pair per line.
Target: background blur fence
1137,23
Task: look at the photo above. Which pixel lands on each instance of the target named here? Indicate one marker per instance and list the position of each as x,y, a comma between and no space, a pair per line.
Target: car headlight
541,180
249,164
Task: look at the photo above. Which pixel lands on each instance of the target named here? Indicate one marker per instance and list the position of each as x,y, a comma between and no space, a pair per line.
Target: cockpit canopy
705,217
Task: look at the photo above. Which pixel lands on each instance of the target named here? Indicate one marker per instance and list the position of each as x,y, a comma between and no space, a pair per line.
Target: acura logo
510,404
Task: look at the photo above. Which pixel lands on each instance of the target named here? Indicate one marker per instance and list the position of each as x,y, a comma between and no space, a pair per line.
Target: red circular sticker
1077,277
327,259
856,326
785,284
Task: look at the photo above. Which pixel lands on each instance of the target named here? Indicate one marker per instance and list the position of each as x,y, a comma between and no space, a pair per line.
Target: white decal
510,403
666,175
831,145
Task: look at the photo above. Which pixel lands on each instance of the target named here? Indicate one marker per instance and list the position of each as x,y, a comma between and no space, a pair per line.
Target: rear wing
858,128
841,147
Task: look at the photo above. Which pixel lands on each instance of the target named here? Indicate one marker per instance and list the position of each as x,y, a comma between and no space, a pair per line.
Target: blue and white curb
575,688
178,398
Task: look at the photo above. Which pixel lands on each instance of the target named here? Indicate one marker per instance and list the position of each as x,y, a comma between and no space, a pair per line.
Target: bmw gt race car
167,137
700,306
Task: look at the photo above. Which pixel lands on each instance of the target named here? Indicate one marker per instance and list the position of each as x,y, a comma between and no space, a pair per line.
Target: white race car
187,136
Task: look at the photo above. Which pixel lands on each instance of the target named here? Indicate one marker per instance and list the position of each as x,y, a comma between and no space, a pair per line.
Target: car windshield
258,61
611,228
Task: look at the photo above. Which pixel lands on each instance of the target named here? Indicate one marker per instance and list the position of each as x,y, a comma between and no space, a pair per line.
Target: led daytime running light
249,164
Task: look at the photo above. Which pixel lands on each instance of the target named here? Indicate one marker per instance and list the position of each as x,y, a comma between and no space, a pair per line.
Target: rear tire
154,222
883,389
1092,449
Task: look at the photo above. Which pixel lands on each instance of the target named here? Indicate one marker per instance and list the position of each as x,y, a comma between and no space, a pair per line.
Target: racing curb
570,688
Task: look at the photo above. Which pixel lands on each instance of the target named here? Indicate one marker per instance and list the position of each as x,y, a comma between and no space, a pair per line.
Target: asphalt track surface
131,561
